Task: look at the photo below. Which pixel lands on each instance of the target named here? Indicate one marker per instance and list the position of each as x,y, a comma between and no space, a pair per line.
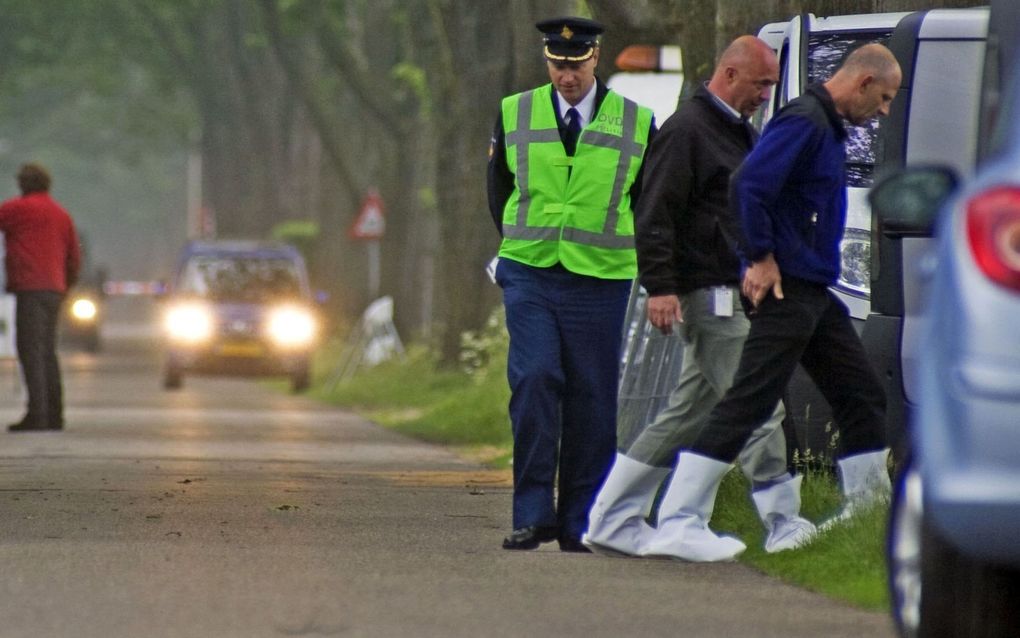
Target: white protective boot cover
779,508
616,523
685,511
865,480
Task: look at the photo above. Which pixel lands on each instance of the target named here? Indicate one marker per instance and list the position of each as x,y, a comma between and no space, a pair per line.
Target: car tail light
993,230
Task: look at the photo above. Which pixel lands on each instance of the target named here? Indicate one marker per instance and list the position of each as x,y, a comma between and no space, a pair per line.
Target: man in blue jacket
790,196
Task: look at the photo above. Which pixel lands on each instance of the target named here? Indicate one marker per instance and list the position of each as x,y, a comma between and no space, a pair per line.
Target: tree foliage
300,107
703,28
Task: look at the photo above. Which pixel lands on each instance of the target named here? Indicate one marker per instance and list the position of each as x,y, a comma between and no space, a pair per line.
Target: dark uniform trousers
810,326
36,315
564,360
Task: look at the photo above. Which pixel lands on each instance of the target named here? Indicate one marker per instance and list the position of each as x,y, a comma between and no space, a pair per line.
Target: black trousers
36,315
810,326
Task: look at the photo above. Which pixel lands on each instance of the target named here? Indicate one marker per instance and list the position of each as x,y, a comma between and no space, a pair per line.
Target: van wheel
301,376
936,590
300,380
173,379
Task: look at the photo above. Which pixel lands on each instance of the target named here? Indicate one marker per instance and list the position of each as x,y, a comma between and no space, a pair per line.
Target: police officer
564,175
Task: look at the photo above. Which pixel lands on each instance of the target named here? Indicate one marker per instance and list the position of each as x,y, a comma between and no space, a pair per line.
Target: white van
934,119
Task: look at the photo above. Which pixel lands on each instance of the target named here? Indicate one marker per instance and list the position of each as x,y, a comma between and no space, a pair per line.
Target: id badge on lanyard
722,301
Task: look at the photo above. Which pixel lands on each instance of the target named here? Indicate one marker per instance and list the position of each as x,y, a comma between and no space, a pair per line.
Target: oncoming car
239,308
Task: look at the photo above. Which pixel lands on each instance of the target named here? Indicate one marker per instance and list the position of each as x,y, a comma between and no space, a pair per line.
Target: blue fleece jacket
790,192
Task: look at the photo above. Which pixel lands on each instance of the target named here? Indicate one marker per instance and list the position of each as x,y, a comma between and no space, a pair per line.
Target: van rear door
934,120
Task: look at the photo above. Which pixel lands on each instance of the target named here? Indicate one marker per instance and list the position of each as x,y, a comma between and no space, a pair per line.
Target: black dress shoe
529,537
26,425
568,544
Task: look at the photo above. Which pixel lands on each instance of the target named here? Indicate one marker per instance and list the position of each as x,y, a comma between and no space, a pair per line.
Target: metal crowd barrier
650,369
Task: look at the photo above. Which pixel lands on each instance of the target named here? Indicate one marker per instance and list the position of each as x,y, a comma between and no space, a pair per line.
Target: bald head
746,72
873,59
865,84
743,50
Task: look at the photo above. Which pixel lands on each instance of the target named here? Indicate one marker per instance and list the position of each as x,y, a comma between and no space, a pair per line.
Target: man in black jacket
685,237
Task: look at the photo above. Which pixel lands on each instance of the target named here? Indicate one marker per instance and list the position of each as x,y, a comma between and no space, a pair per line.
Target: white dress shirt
584,108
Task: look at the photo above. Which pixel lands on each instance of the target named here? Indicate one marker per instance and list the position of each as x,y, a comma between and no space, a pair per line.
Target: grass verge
468,412
414,397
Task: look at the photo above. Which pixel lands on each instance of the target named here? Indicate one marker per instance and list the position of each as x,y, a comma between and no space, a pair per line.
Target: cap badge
566,33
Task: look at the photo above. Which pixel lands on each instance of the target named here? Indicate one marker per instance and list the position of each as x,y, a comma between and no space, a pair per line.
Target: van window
826,51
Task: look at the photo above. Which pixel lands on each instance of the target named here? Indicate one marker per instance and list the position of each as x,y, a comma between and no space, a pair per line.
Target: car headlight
855,262
291,326
190,323
84,310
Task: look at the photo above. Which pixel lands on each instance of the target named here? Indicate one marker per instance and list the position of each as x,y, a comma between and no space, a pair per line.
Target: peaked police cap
570,39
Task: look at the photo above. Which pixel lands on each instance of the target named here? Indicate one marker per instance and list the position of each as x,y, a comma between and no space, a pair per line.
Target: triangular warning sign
370,223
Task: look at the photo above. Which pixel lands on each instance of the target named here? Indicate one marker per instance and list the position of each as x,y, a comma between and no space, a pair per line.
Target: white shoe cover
779,509
616,523
865,480
685,511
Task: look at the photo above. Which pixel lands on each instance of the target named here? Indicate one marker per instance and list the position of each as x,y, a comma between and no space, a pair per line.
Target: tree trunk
466,240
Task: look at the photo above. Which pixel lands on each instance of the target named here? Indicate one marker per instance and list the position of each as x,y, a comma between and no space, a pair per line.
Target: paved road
228,510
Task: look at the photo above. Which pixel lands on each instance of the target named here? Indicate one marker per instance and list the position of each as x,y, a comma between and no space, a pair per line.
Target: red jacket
41,244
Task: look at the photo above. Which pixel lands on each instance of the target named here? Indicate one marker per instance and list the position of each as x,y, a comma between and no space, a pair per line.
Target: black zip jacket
685,231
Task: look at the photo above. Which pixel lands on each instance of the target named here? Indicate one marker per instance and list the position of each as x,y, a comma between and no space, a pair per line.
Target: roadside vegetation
466,410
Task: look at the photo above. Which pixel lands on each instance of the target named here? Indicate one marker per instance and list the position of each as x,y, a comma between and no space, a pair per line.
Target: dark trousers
36,315
810,326
563,367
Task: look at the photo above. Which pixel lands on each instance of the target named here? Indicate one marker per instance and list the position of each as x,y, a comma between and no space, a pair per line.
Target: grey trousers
711,354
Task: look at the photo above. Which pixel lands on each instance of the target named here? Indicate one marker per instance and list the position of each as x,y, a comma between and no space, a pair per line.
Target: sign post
369,226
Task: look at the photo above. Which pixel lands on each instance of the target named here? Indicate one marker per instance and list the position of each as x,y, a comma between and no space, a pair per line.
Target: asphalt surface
228,509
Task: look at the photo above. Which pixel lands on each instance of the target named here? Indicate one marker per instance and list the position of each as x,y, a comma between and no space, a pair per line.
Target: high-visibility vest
573,210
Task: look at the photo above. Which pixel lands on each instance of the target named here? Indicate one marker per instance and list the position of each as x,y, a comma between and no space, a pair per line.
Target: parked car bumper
968,447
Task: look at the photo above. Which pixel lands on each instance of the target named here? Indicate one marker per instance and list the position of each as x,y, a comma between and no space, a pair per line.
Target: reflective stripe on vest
524,135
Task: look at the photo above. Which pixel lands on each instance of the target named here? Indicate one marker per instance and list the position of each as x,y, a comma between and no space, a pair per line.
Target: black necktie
573,131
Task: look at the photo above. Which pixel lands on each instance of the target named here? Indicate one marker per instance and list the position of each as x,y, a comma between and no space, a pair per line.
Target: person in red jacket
42,260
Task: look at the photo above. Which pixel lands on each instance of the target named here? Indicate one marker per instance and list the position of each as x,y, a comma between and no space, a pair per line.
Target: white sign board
7,349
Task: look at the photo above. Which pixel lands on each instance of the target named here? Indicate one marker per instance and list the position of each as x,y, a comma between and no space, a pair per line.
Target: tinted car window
863,148
240,279
1002,113
999,77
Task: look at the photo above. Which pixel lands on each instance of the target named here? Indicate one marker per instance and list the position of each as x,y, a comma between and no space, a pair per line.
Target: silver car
954,542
